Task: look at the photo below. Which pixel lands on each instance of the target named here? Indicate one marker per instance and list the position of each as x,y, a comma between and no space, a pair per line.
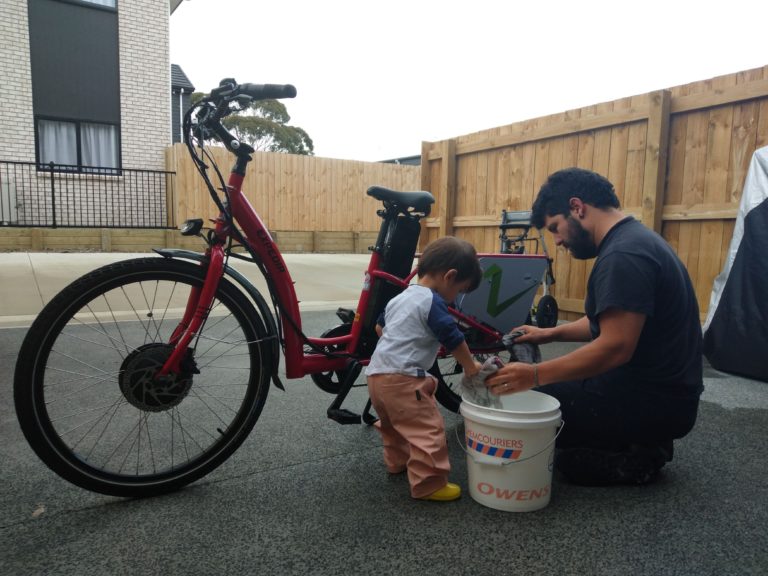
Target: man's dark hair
449,253
561,186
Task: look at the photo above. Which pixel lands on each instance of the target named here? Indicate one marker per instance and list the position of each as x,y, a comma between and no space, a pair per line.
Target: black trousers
601,413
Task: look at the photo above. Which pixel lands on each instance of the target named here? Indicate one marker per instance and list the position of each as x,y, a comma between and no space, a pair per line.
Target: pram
515,236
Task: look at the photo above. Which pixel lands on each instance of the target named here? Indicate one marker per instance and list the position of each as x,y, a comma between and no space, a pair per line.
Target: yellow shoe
447,493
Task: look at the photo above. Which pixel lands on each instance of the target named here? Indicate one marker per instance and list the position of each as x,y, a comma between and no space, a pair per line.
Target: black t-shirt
637,271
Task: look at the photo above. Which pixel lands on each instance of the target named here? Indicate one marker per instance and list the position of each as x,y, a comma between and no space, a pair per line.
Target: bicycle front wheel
85,389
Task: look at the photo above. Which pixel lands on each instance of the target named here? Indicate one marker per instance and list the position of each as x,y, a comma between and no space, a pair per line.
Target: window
104,3
77,146
75,66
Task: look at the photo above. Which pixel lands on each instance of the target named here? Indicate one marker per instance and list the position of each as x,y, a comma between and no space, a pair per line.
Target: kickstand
335,411
369,418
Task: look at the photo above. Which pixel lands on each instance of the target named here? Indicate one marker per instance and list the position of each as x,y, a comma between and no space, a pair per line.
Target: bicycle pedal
343,416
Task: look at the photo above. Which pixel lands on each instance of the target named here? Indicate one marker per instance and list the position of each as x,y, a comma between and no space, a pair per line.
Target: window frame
88,4
79,168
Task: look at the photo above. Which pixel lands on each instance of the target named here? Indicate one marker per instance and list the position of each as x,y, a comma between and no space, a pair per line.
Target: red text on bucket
488,489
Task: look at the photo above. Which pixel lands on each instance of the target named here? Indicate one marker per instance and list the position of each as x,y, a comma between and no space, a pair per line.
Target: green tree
264,125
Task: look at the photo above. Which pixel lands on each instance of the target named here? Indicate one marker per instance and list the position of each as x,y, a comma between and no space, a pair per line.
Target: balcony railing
55,195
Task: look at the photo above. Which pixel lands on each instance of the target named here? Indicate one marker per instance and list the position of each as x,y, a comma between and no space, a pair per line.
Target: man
634,386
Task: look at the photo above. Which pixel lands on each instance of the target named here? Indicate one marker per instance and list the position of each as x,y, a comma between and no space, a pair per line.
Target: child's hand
476,368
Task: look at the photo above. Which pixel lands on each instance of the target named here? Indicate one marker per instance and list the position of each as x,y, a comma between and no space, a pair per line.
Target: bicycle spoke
136,313
105,375
150,313
114,320
103,328
79,362
92,342
76,392
114,412
217,399
211,410
167,305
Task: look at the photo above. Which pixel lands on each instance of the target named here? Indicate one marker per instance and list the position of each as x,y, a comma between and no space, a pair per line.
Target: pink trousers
412,430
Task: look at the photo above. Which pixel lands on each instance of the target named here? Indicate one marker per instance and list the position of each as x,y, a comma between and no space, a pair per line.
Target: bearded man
634,386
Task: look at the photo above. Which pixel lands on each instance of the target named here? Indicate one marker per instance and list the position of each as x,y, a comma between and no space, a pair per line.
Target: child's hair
449,253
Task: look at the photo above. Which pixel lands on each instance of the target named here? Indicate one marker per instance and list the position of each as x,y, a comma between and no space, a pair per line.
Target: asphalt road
304,495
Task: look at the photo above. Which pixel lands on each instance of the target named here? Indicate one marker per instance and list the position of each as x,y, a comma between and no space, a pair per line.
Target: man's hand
534,335
513,377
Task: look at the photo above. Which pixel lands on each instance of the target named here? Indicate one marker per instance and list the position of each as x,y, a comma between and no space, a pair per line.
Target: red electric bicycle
144,375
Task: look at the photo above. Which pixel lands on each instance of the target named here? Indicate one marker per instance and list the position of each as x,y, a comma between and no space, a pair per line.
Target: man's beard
579,243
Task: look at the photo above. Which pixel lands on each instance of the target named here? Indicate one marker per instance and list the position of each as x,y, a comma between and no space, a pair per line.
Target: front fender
250,289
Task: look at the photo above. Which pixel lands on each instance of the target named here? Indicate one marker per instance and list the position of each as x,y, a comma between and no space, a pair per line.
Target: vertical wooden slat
695,158
656,147
743,137
447,189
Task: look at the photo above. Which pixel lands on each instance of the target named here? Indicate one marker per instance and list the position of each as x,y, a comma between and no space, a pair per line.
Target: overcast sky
374,79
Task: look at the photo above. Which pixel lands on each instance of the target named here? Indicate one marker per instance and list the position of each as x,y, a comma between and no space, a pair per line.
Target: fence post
53,195
657,144
426,184
447,190
171,205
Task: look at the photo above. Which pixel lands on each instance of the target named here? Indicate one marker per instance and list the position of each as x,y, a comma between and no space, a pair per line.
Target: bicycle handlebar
267,91
212,109
228,90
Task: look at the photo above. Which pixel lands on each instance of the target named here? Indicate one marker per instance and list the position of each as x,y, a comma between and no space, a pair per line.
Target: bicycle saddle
419,201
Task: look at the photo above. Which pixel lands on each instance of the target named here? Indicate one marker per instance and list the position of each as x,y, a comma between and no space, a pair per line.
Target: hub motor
140,386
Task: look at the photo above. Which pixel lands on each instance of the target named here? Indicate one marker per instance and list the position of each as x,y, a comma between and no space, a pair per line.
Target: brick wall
16,120
145,83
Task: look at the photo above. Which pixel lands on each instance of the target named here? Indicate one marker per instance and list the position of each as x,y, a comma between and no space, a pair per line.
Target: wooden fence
309,204
296,193
677,157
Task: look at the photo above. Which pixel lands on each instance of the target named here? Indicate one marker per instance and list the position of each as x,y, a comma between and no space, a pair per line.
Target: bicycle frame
398,238
281,285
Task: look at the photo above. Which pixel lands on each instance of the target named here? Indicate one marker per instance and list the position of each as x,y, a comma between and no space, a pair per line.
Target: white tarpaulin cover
736,328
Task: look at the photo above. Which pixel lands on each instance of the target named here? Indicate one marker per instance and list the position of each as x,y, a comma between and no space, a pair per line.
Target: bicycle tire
188,425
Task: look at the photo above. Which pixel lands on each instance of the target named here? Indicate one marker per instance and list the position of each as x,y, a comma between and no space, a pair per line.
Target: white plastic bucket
510,451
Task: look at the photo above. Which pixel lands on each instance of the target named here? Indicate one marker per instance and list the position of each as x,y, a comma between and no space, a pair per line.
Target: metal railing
57,195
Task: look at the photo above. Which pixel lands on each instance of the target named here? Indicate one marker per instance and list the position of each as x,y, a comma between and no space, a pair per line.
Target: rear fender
250,289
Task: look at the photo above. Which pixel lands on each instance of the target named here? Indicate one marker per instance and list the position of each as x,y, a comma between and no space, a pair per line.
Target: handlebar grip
268,91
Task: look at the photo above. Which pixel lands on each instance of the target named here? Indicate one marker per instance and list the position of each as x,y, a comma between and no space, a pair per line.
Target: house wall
16,118
145,83
145,118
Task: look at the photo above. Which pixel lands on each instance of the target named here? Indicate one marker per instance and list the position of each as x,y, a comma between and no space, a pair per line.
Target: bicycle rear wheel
85,392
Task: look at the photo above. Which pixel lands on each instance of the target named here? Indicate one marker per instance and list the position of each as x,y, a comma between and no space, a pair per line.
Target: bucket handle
508,462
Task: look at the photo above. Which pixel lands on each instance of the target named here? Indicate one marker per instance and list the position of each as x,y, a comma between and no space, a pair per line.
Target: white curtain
99,145
58,142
